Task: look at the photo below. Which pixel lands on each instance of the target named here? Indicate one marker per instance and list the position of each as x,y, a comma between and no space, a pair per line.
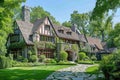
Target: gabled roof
82,38
37,23
95,42
73,35
26,30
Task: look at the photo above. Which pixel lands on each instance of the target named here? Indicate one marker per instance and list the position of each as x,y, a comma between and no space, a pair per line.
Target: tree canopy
81,20
39,12
103,6
6,20
67,24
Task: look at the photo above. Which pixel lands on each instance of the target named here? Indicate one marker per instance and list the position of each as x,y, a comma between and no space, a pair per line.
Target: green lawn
29,73
93,69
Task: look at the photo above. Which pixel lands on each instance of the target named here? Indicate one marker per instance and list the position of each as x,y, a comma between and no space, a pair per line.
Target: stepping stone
78,78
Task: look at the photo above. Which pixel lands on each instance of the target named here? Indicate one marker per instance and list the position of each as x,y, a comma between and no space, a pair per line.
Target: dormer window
61,31
47,27
69,33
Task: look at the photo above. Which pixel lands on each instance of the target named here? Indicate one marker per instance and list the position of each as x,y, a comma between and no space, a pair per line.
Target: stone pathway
72,73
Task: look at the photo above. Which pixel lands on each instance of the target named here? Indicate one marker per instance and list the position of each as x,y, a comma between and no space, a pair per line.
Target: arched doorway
70,55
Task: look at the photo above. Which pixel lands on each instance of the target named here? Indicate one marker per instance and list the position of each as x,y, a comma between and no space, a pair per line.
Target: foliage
42,58
44,44
103,6
101,27
114,35
81,20
110,66
39,12
82,55
65,63
5,62
33,58
20,44
67,24
48,60
20,58
63,56
21,64
93,58
75,48
6,16
25,60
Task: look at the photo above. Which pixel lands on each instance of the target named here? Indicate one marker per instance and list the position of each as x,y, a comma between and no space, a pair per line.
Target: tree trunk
103,35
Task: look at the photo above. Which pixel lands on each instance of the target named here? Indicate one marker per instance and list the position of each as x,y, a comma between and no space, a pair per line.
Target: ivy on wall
14,45
44,44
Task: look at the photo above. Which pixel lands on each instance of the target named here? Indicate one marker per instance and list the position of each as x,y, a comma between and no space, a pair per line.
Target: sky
61,9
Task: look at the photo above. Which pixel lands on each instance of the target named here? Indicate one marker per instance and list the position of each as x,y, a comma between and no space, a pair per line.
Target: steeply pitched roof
37,23
82,38
95,42
26,30
73,35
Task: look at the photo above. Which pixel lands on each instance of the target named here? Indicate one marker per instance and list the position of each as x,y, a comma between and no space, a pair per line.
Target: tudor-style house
48,38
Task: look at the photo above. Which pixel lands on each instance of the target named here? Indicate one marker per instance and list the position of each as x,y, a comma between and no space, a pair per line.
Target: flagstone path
72,73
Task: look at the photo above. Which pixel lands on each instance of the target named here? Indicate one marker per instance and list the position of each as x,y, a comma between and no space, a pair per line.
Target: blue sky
61,9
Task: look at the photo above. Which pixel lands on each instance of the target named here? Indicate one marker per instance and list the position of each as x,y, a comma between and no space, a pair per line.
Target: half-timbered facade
48,38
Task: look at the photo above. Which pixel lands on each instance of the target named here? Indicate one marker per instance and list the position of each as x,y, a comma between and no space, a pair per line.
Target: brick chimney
26,13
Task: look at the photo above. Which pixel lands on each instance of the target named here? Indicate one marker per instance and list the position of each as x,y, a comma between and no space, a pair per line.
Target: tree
101,27
81,20
6,20
39,12
114,36
103,6
67,24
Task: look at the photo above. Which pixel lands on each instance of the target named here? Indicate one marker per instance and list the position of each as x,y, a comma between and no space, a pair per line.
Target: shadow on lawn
19,74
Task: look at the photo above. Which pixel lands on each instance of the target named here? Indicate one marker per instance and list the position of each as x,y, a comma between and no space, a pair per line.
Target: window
69,33
47,27
61,31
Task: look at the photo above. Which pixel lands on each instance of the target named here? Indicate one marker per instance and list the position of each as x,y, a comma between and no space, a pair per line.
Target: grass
93,69
29,73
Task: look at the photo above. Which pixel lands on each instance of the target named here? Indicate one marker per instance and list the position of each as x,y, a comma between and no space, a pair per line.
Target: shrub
42,58
20,58
110,66
65,63
21,64
63,56
25,60
33,58
93,58
82,55
86,58
50,60
5,62
11,56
